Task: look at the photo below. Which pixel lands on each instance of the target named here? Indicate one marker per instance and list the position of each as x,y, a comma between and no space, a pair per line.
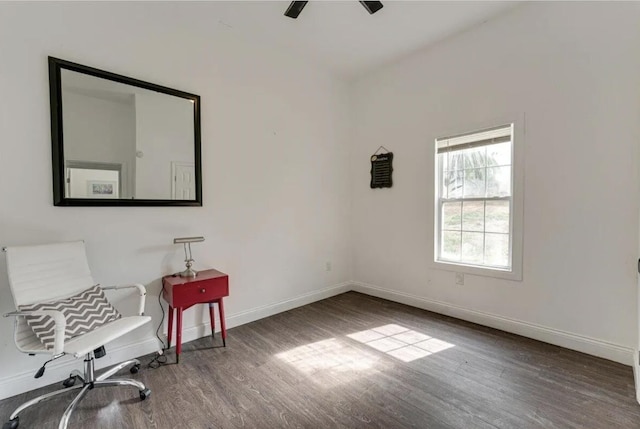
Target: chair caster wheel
11,424
69,381
144,394
135,368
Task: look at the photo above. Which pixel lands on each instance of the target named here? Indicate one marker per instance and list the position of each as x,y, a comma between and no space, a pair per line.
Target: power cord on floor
161,357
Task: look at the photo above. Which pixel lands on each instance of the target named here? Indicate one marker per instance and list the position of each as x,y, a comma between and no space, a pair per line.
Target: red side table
208,287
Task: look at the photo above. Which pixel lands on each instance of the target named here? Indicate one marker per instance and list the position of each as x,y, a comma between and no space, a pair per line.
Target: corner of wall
636,373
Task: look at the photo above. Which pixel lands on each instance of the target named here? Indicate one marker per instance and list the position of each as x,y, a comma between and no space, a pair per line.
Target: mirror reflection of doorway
93,180
183,176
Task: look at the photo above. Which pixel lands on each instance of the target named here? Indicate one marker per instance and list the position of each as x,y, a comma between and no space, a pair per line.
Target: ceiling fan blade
371,6
296,7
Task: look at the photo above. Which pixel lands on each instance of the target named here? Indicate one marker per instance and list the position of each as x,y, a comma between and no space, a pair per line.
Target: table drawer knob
203,290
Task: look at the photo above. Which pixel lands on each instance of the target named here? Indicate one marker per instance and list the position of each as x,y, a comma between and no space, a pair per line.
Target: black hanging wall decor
381,169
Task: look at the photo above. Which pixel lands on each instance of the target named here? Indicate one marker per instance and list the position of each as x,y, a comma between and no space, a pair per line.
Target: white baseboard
614,352
636,372
23,382
57,371
271,309
248,316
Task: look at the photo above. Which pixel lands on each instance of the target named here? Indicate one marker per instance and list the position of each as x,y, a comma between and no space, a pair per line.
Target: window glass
475,198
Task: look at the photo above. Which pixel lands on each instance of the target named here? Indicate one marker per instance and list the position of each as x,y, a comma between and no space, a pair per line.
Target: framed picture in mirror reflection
102,189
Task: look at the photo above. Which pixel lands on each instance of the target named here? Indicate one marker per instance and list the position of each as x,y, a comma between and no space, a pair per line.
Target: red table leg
179,335
223,328
212,318
170,327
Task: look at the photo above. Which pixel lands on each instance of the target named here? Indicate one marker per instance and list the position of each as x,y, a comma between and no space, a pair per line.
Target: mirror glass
120,141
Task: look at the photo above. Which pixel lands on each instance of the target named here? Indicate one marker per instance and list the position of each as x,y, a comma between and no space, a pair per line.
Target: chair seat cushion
83,313
81,345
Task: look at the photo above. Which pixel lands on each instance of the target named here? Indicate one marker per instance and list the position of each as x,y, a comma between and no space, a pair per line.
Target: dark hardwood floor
353,361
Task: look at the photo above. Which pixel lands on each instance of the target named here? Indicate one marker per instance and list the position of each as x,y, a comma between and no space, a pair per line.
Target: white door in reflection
183,181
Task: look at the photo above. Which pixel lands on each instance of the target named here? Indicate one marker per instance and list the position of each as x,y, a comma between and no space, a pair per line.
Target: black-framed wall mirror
119,141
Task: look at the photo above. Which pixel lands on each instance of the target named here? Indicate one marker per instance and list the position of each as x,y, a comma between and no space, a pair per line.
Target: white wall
164,134
272,127
574,70
100,130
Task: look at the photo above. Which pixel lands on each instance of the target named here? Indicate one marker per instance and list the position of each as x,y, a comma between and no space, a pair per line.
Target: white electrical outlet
459,279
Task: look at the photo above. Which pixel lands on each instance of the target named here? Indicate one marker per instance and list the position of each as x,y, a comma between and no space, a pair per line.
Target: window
474,219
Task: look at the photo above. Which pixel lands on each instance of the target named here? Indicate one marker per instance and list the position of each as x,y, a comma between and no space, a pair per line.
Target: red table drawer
189,294
209,285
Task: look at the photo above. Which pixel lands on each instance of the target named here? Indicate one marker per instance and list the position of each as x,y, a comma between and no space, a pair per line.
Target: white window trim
517,214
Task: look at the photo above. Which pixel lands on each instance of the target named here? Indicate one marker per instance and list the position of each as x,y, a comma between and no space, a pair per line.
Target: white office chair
50,272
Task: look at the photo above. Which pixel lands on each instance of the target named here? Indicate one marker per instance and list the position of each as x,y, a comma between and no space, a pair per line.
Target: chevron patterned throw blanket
83,312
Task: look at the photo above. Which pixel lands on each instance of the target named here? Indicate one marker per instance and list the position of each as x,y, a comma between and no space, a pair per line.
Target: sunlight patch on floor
330,355
402,343
106,412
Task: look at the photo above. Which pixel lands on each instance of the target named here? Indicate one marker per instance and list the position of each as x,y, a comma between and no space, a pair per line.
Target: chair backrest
47,272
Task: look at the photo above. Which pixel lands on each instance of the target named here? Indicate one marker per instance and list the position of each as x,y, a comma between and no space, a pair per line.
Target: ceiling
342,36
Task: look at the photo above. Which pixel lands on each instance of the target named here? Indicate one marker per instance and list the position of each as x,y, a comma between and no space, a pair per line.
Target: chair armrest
60,325
142,293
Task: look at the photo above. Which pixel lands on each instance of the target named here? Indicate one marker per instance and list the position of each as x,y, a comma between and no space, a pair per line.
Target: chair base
89,382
